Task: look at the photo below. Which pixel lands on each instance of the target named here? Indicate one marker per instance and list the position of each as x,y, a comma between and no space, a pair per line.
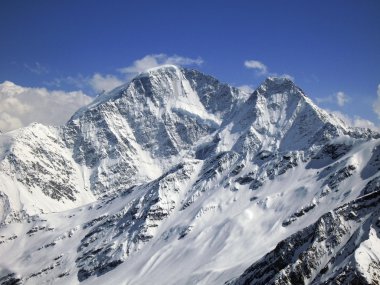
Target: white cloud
20,106
106,82
364,123
97,82
376,104
79,81
154,60
262,69
356,121
255,64
8,122
341,98
247,88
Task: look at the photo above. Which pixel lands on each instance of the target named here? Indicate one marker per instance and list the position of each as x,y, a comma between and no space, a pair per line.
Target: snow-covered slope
342,247
176,178
38,173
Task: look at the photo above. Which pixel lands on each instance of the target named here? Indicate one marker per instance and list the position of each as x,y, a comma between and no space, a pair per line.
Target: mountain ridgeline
177,178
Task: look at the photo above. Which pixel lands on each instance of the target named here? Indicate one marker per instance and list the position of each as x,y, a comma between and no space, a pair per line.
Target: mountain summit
177,178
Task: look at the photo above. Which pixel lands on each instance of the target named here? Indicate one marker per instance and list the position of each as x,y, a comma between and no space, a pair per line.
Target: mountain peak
278,81
165,68
273,85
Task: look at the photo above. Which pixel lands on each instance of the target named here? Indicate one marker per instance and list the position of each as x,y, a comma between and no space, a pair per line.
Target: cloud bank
20,106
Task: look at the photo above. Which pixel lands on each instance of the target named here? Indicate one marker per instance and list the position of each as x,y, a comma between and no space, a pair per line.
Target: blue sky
330,48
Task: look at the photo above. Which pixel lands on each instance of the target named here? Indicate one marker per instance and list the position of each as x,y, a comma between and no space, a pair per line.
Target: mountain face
177,178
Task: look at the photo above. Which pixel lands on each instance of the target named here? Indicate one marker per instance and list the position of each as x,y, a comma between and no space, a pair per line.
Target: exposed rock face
178,178
342,247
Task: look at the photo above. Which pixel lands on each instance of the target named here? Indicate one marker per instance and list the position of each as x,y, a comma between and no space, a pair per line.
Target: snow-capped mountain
177,178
